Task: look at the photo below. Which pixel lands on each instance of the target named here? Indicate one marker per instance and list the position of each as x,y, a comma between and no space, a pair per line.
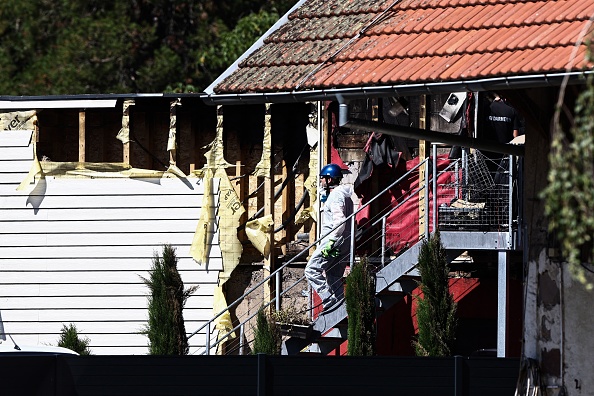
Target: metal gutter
435,137
231,69
486,84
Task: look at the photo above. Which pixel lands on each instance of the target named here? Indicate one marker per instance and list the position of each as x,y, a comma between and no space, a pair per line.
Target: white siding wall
73,251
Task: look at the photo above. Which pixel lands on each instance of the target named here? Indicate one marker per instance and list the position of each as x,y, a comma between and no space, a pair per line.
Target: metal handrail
253,288
412,194
429,181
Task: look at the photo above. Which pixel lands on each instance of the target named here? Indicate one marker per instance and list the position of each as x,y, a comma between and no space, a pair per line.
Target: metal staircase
395,276
393,282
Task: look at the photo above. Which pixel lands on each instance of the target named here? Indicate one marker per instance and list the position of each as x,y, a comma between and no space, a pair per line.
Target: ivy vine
569,195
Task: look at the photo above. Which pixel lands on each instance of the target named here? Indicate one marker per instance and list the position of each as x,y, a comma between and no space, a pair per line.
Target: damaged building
400,95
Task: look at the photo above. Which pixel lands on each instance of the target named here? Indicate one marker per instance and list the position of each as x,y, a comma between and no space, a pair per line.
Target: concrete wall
558,312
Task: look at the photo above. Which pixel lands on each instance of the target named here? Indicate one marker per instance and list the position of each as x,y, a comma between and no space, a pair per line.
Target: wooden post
269,266
423,152
288,204
376,243
241,190
126,146
81,136
126,153
191,140
324,153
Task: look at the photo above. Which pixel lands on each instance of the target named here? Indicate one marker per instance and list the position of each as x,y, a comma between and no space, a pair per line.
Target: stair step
329,323
296,330
403,265
328,319
338,332
323,347
404,285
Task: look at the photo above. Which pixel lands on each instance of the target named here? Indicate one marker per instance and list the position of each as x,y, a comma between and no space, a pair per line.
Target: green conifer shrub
360,305
166,329
267,337
436,309
70,339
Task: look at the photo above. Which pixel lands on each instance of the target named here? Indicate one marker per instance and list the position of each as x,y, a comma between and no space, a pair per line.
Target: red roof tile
368,43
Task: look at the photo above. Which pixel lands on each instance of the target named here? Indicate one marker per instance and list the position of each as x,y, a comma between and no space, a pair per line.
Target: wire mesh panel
482,194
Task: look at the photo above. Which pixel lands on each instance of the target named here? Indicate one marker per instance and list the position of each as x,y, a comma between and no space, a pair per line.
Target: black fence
258,375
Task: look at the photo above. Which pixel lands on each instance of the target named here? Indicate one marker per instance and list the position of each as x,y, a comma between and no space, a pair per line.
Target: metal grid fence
482,192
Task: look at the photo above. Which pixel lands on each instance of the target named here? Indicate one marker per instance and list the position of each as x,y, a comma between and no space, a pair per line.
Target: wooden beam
126,153
324,119
82,136
191,140
288,205
376,243
241,189
269,264
423,152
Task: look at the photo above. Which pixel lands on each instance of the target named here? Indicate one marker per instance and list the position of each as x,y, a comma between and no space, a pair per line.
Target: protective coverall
337,208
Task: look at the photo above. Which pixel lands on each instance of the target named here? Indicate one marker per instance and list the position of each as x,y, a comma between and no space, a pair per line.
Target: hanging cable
154,157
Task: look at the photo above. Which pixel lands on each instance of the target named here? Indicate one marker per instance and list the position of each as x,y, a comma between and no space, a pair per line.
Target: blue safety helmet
331,170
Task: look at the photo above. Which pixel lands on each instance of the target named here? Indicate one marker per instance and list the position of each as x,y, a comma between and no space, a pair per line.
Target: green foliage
70,339
166,329
267,337
436,310
235,42
118,46
569,195
360,305
290,315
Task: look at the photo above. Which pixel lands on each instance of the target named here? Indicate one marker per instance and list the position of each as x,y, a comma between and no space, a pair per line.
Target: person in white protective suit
326,267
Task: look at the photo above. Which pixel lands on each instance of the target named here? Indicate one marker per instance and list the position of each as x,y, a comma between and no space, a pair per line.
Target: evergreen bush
360,305
70,339
166,329
436,309
267,337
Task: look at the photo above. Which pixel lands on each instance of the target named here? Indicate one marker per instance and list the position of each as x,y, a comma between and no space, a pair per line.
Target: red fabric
335,157
402,225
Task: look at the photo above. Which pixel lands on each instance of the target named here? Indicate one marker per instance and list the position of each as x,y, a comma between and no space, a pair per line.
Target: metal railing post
510,197
352,250
426,219
456,179
278,291
208,339
383,240
465,173
434,177
241,335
